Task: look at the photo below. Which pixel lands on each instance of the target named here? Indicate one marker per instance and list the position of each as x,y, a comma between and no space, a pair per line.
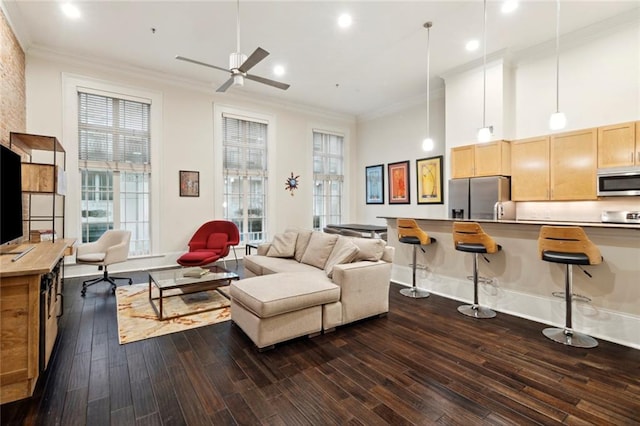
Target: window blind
113,133
245,152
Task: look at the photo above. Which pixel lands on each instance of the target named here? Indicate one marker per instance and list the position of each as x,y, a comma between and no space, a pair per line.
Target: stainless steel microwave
620,182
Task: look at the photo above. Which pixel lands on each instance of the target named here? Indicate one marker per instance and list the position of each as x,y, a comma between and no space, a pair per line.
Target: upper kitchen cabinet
487,159
619,145
530,177
462,161
573,163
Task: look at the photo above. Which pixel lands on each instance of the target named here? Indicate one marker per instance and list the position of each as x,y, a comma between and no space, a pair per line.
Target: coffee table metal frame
171,279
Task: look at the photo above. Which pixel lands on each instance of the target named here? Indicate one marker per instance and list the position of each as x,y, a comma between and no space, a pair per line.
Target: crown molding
435,93
185,83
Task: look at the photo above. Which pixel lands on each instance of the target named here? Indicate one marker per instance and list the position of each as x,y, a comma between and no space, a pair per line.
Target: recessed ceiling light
278,70
70,10
509,6
344,21
472,45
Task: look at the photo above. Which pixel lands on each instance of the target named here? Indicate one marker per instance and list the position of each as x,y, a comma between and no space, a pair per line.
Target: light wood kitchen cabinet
573,164
619,145
462,161
530,174
487,159
493,159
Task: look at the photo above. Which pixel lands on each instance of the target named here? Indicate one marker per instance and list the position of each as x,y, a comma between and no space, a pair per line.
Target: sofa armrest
364,288
263,249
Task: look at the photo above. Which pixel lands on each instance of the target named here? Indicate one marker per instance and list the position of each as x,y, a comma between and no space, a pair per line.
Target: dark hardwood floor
423,363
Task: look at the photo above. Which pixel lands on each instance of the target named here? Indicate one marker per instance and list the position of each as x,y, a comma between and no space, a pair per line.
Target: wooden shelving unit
42,182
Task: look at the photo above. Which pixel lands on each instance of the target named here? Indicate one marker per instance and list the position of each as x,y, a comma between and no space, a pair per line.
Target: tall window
245,176
115,166
327,179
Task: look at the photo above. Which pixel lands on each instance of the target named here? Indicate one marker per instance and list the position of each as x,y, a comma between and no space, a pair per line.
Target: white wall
188,144
397,137
599,84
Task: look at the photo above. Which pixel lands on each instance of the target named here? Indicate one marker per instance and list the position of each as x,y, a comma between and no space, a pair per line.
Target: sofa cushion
319,249
263,265
369,248
217,240
343,252
283,245
271,295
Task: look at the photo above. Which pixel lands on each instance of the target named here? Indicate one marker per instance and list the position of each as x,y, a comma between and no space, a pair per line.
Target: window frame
327,190
218,150
71,85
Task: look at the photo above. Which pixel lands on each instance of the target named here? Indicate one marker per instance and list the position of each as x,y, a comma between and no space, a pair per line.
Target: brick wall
12,83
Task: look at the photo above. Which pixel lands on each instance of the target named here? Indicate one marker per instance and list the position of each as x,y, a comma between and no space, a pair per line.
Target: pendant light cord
484,68
428,25
557,55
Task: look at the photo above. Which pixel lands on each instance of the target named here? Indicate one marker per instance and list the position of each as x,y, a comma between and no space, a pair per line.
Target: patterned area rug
137,320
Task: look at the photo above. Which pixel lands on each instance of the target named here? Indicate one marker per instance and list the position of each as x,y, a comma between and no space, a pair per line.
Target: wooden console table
30,304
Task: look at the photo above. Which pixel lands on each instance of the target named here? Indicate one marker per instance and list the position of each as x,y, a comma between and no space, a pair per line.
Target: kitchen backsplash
574,211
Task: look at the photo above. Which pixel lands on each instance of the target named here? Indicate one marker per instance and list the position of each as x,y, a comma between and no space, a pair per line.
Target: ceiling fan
239,64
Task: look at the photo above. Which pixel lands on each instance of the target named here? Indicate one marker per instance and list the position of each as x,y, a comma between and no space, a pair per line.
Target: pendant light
558,120
485,133
427,143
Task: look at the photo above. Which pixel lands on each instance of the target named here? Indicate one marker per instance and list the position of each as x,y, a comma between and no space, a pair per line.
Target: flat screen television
10,195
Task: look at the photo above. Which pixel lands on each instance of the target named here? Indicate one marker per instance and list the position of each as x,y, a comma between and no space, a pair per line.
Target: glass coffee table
173,283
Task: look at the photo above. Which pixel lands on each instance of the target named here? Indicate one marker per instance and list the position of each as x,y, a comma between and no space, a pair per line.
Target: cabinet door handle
61,305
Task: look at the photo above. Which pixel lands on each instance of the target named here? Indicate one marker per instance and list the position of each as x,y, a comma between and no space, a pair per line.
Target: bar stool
410,233
570,246
470,238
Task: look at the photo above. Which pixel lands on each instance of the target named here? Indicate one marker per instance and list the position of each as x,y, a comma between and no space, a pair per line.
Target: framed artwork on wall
398,175
429,180
189,183
374,179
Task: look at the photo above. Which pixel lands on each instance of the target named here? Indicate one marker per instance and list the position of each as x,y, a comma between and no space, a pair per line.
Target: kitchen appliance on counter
621,217
620,182
486,198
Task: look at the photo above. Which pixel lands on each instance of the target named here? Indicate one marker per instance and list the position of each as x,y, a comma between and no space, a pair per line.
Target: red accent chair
212,241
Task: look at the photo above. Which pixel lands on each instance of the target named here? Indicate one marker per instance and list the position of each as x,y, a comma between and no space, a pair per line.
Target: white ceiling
379,61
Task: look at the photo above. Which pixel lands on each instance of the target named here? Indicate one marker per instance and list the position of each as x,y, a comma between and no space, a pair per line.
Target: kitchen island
522,284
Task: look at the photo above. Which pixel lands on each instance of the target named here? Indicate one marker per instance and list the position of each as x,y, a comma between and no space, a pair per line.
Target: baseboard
606,324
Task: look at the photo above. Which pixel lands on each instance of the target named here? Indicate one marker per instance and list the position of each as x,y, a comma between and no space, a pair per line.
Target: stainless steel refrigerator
485,198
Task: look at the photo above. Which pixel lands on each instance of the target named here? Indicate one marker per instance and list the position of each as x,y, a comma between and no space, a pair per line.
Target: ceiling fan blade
193,61
257,55
225,86
283,86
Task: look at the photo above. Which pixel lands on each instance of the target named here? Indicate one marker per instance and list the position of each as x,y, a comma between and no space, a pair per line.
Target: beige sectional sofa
305,282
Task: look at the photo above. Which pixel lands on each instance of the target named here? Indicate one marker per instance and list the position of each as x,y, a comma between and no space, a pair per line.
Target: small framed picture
374,179
429,180
189,183
398,175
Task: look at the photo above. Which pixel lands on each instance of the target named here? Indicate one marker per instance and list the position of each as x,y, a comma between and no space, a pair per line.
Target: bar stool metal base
414,293
476,311
570,337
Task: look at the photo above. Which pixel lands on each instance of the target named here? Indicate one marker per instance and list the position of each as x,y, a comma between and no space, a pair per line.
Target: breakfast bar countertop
530,222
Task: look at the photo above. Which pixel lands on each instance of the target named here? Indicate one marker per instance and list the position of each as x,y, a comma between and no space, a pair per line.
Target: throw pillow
319,248
343,252
283,245
369,248
301,243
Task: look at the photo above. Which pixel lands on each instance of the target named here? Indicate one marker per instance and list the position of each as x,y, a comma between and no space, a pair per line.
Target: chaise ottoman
278,307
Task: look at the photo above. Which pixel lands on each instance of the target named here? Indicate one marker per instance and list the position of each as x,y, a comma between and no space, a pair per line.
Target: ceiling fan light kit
240,64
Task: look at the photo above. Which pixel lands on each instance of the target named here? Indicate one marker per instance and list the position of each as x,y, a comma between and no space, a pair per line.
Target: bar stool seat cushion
415,240
473,247
568,258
